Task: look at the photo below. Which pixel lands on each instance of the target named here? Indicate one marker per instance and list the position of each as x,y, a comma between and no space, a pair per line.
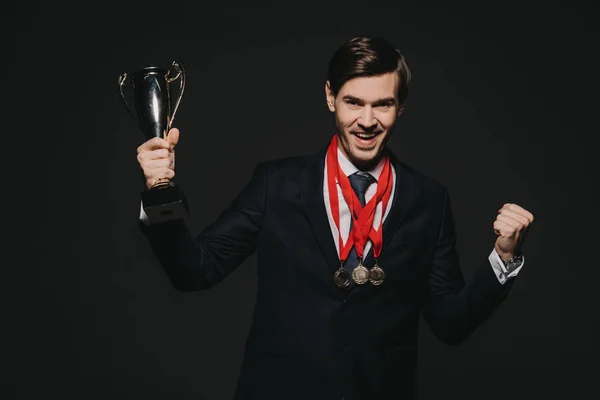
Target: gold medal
376,275
341,278
360,274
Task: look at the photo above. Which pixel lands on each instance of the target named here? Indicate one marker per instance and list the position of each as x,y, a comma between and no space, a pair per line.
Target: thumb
173,138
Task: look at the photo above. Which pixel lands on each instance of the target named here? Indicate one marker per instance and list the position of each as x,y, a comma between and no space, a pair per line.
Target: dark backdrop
501,110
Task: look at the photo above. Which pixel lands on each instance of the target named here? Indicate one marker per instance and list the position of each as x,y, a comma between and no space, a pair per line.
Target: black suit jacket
310,339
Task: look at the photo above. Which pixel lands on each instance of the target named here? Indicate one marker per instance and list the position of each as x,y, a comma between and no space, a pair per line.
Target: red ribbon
362,226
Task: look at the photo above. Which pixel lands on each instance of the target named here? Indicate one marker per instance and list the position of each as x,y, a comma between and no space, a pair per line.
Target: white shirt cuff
143,217
499,268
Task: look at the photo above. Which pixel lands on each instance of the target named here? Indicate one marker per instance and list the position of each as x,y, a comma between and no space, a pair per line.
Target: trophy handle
122,83
180,74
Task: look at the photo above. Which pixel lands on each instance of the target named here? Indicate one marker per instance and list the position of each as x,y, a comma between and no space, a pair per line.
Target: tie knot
360,181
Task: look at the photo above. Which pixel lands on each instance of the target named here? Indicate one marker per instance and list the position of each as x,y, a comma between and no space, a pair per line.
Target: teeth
365,136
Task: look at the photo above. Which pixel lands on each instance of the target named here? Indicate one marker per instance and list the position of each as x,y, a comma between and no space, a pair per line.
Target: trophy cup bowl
149,91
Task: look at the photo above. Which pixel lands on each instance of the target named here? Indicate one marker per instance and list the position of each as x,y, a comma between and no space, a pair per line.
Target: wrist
504,255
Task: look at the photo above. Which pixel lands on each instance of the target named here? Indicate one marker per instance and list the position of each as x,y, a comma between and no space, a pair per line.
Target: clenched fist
157,158
510,226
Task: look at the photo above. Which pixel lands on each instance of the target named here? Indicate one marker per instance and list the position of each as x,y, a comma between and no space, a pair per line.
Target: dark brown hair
368,56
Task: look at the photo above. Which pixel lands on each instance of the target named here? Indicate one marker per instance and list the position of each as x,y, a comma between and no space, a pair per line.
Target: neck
366,165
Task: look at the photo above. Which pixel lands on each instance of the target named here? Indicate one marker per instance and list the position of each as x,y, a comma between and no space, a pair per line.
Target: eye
353,103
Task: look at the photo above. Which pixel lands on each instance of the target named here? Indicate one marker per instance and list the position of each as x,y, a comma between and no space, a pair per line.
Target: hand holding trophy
151,95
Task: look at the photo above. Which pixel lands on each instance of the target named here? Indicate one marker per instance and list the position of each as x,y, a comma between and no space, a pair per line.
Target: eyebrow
384,101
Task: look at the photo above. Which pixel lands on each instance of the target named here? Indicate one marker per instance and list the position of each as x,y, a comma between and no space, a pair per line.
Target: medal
341,278
360,274
376,275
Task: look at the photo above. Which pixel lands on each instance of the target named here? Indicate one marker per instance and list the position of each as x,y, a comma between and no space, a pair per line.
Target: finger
503,229
155,164
516,216
173,138
153,144
518,209
509,221
153,154
522,211
164,172
157,173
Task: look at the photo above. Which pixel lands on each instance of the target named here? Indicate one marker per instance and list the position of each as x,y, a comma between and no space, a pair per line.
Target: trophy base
164,203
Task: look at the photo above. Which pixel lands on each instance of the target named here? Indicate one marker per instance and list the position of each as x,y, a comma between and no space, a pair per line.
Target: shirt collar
348,168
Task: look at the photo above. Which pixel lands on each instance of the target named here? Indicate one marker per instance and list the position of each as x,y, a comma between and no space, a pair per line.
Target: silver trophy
151,105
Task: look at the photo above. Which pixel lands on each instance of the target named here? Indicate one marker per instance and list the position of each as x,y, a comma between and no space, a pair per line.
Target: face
365,110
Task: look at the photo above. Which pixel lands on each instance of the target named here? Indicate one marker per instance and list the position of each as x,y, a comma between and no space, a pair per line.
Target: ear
400,110
330,98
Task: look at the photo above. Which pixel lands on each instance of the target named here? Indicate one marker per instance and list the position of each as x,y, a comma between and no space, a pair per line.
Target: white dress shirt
348,168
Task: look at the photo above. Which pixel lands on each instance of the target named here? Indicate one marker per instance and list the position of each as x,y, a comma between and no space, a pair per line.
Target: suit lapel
403,193
312,198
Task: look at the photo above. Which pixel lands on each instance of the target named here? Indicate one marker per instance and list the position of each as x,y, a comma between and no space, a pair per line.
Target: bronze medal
376,275
360,274
341,278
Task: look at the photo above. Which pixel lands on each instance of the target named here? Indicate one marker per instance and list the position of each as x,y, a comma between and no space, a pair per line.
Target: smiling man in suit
352,244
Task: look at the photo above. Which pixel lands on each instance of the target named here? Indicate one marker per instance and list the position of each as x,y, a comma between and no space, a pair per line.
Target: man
351,243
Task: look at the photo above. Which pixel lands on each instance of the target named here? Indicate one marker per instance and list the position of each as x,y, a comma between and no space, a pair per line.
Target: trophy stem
161,183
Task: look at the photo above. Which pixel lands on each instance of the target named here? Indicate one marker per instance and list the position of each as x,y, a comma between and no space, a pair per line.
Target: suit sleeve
453,308
199,263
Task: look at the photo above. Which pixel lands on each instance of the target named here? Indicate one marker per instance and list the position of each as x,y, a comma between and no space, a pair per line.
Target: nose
367,120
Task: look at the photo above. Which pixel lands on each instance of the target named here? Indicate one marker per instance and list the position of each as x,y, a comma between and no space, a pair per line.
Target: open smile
365,135
365,140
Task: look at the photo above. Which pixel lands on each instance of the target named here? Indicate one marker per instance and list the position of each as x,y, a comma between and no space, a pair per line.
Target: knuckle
154,143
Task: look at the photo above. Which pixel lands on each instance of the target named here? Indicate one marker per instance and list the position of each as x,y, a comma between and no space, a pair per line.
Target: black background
501,109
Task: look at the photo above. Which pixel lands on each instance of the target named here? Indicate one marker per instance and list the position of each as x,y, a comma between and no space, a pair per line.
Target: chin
364,159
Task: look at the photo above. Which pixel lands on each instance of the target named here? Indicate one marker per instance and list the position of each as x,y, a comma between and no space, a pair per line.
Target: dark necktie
360,182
